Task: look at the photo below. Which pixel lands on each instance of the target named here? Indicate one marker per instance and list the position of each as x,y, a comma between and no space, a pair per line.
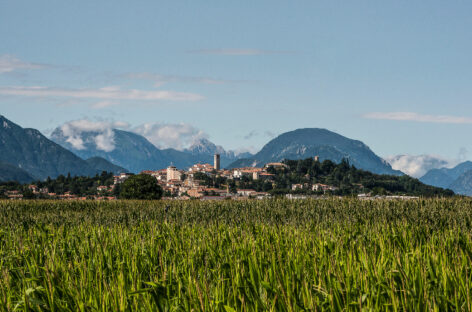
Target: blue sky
394,74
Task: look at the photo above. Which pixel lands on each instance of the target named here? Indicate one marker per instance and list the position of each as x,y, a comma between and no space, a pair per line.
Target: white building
173,173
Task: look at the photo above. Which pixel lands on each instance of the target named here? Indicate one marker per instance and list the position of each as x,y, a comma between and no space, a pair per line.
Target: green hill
309,142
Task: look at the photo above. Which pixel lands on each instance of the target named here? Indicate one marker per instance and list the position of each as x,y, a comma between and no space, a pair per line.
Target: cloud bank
10,63
417,166
106,93
165,135
79,133
410,116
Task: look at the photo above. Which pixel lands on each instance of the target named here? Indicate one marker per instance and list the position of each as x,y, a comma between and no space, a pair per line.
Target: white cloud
164,135
242,150
99,133
10,63
160,80
417,165
256,133
106,93
238,51
410,116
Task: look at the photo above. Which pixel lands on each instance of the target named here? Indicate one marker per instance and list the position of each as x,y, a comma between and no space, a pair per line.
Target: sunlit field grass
273,255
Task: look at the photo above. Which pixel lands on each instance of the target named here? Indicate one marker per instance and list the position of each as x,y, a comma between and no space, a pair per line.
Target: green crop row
270,255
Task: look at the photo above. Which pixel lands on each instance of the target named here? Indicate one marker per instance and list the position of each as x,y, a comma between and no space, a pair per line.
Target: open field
274,255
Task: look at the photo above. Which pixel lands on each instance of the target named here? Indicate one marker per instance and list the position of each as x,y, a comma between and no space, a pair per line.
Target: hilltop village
291,178
206,181
200,181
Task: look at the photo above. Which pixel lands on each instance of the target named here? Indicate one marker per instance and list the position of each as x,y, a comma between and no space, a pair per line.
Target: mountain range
135,152
305,143
26,154
130,150
85,152
27,151
458,179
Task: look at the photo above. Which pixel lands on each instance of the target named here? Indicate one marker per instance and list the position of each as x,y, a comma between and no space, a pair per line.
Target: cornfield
269,255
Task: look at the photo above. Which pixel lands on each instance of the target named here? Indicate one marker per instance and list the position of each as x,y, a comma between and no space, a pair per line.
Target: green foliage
141,186
350,180
269,255
81,186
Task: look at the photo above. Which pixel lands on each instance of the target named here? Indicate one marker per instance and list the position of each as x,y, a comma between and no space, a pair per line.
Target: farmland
269,255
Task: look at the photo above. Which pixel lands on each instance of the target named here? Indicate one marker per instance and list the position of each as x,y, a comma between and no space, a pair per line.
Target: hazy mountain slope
101,164
134,152
31,151
437,177
203,150
129,150
309,142
458,179
463,184
10,172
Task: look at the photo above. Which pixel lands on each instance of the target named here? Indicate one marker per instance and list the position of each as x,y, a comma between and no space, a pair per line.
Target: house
33,188
323,187
14,195
196,192
122,177
173,173
246,193
215,191
102,188
263,176
238,173
205,168
260,195
297,187
276,165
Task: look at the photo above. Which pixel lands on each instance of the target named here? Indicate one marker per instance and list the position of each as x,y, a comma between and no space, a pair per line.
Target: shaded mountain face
463,184
101,164
205,147
204,150
458,179
127,149
310,142
134,152
437,177
10,172
32,152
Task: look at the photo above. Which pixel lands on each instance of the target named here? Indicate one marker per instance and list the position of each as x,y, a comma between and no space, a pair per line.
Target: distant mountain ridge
458,179
101,164
130,150
204,150
309,142
39,157
134,152
9,172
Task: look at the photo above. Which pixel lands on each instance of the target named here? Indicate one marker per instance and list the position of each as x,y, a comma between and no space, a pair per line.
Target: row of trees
136,187
350,180
345,177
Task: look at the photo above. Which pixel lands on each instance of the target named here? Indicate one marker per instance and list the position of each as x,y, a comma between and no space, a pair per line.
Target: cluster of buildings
103,193
185,184
190,183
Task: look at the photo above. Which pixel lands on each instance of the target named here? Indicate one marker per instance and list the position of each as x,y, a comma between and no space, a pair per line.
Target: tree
141,186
